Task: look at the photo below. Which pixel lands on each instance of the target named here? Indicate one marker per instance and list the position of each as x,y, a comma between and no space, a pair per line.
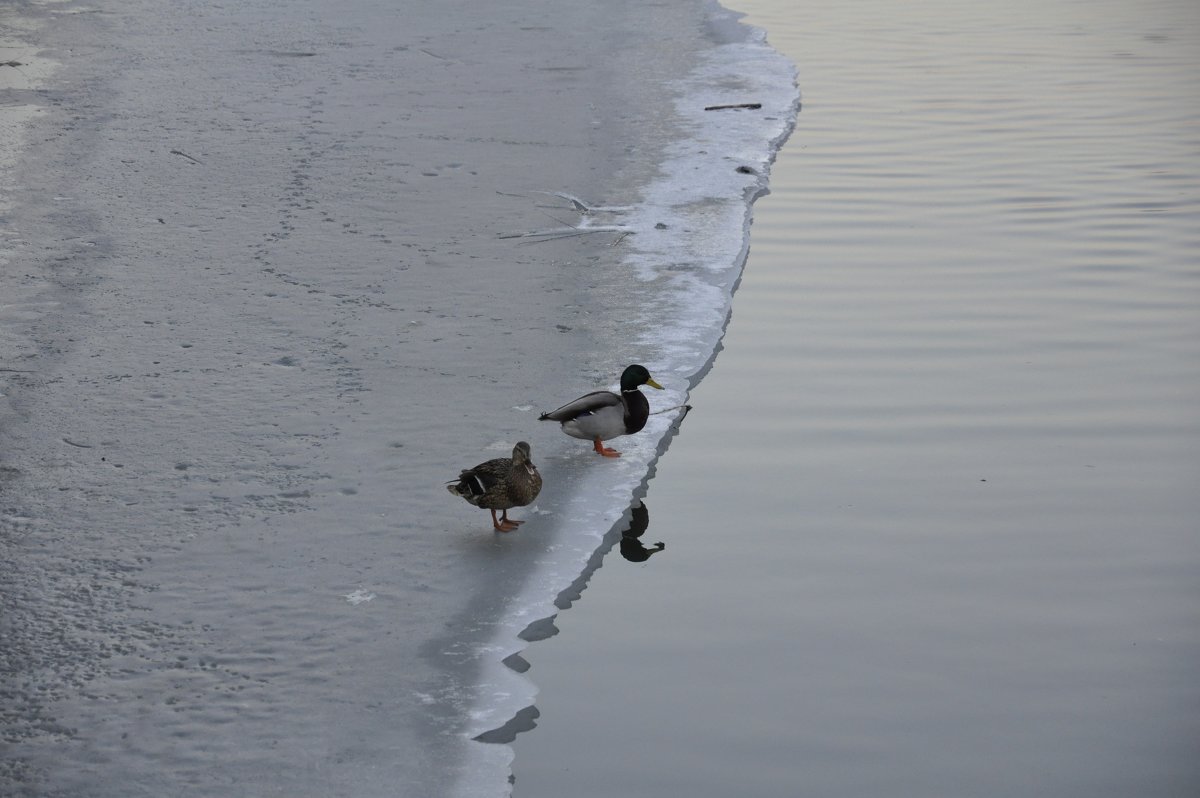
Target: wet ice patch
358,597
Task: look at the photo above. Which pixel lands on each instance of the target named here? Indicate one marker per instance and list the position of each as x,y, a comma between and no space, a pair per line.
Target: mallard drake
500,484
602,415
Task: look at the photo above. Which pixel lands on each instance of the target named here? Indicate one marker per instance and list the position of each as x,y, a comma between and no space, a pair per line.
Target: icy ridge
687,241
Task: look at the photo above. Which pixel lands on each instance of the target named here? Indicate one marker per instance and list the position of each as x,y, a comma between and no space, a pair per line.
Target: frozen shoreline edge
748,145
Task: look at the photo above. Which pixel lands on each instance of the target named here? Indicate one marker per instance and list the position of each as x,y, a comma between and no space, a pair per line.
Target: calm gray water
932,526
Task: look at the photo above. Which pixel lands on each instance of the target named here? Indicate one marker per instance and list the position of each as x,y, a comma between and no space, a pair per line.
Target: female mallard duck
500,484
602,415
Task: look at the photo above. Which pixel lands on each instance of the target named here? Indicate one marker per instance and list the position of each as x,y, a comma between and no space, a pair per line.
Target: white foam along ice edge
689,245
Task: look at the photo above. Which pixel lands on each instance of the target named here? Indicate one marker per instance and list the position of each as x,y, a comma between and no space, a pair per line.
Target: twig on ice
185,155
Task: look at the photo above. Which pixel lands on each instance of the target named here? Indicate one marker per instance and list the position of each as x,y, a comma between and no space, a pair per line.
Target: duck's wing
483,477
584,405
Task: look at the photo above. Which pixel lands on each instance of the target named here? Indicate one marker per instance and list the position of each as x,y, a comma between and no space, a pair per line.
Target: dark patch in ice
523,721
539,630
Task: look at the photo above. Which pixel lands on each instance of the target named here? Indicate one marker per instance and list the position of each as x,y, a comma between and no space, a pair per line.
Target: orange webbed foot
603,450
503,524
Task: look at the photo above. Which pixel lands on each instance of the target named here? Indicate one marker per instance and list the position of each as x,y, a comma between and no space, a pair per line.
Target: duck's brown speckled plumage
500,484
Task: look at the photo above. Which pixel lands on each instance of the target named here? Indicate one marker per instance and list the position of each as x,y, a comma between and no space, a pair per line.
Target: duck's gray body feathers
603,415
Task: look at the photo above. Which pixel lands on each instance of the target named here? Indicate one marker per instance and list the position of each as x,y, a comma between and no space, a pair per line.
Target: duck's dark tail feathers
467,485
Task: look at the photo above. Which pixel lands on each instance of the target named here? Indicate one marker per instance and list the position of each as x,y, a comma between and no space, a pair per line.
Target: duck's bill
654,384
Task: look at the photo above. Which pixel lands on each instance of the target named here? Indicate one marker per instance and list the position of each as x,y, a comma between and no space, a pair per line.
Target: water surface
931,528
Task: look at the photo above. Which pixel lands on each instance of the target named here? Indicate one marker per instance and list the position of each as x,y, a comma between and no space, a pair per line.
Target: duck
500,484
603,415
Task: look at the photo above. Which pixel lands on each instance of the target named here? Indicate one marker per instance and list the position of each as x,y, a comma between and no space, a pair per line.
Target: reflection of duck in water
632,547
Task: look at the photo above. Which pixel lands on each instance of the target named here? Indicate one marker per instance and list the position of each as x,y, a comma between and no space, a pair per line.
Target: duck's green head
636,376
